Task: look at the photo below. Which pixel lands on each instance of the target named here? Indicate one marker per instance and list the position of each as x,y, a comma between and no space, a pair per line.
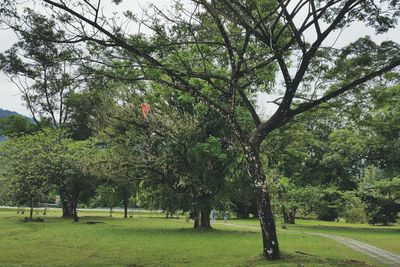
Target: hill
5,113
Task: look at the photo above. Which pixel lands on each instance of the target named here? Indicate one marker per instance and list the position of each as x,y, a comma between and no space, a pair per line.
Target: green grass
155,241
385,237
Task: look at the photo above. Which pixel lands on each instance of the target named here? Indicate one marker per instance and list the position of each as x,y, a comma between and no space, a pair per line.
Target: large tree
44,72
223,52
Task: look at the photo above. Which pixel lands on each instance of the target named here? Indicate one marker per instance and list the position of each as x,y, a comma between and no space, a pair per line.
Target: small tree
25,169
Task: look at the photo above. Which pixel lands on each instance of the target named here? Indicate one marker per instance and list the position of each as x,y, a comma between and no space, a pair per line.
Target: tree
117,174
382,201
222,52
183,161
74,181
26,165
106,196
383,127
48,160
44,72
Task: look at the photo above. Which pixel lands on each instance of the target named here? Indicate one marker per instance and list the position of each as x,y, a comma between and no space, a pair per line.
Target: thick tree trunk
75,212
66,210
202,218
65,205
197,219
267,223
205,217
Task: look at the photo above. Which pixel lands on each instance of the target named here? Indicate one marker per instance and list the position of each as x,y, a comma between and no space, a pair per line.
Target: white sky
10,98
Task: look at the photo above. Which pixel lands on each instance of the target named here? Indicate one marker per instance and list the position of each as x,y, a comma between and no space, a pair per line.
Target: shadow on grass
300,259
184,231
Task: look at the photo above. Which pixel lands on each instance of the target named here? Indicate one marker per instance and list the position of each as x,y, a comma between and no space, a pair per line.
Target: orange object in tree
145,109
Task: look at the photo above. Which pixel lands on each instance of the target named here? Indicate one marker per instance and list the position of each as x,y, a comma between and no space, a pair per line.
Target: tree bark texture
65,206
202,218
31,210
267,222
74,212
125,209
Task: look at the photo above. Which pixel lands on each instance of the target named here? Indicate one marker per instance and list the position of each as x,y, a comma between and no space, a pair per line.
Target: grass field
385,237
148,239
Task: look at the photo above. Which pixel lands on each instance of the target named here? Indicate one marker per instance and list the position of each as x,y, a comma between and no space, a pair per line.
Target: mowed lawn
384,237
151,240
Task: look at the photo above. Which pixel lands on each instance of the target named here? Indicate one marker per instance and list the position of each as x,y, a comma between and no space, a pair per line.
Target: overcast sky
10,98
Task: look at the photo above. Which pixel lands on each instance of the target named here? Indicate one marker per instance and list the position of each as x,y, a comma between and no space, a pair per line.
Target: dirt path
383,256
387,258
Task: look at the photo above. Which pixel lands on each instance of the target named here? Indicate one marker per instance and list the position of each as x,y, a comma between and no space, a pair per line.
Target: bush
381,210
330,203
382,200
354,209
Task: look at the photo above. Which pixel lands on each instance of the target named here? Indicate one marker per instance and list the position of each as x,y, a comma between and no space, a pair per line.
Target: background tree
25,170
44,72
382,201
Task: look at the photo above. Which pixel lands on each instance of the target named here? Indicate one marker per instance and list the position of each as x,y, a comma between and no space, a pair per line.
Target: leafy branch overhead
251,43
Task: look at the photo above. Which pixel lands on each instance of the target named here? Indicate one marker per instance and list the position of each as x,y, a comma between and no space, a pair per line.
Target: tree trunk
125,202
66,210
197,219
73,205
65,206
289,216
75,214
202,218
267,223
31,210
205,218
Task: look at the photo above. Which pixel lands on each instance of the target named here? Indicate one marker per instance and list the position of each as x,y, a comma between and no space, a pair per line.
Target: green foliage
44,71
353,210
16,125
28,165
382,199
106,196
36,165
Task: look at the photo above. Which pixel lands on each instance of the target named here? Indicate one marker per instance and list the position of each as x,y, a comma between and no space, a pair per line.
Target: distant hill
6,113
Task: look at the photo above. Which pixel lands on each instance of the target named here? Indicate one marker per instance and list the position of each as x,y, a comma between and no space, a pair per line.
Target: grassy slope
144,241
